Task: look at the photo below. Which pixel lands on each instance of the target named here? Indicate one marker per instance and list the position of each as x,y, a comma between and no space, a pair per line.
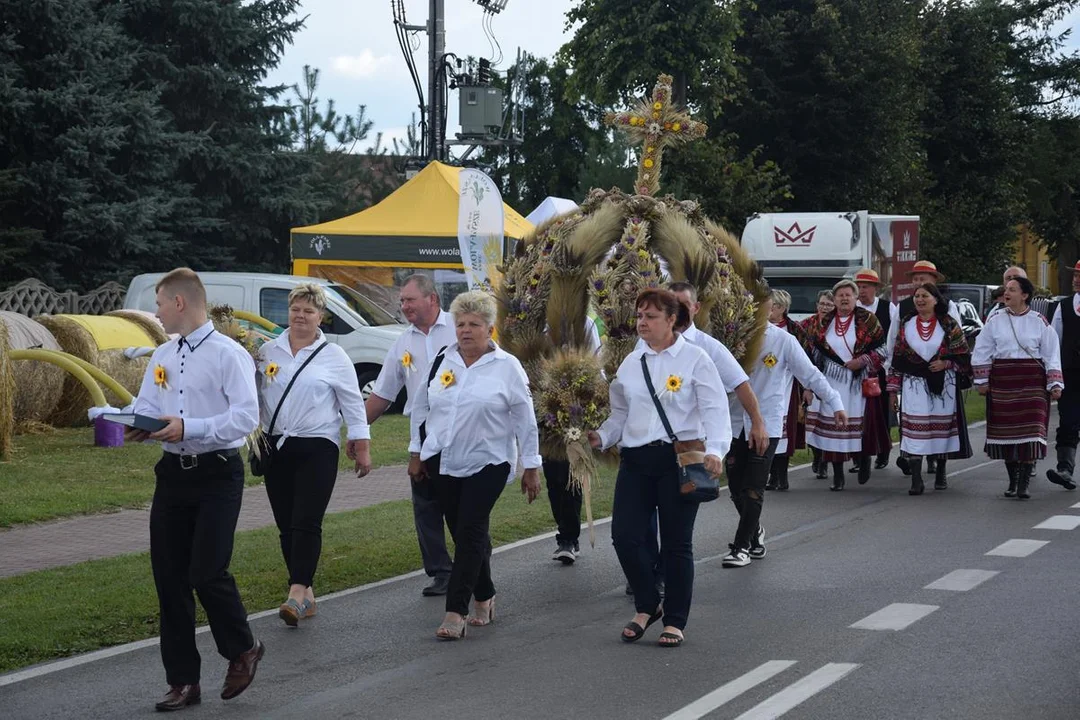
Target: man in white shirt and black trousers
1066,324
407,366
203,386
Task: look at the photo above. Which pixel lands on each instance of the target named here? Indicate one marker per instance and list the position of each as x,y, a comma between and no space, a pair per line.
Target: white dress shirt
323,393
781,359
1017,337
210,384
422,349
484,417
698,410
1056,322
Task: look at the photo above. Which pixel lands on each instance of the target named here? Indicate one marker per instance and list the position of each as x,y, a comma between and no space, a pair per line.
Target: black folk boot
837,477
774,474
915,463
940,483
865,465
785,461
1023,478
1066,463
1013,471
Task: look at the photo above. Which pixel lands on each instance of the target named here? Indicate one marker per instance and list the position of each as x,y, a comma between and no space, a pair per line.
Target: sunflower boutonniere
672,385
407,362
769,361
271,372
447,379
160,378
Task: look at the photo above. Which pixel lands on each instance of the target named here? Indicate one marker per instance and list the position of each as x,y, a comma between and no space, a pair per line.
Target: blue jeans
648,485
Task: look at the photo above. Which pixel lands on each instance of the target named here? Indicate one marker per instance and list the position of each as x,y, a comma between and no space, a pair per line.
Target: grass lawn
56,613
60,473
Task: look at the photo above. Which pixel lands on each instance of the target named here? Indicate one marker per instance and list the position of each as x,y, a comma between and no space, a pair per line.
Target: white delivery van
804,253
354,322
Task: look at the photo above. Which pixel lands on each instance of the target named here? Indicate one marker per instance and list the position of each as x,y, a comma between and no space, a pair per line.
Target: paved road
771,638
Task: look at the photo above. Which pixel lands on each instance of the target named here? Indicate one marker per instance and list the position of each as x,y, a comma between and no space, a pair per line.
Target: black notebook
134,420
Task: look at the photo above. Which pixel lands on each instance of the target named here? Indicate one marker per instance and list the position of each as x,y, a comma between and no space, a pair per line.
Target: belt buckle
191,465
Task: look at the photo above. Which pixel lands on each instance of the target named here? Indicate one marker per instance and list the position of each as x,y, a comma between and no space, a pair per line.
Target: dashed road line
895,617
729,691
1059,522
1018,548
961,580
798,692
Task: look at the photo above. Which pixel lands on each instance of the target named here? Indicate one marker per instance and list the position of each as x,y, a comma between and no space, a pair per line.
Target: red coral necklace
926,329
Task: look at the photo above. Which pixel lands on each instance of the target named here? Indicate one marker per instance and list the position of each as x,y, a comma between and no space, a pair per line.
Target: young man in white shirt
203,387
780,360
1066,324
407,365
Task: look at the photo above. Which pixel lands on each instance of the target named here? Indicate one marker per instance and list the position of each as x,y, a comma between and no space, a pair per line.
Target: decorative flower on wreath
160,378
769,361
447,379
407,362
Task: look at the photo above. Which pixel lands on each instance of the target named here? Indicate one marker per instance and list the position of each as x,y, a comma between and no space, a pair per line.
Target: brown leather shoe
242,671
179,697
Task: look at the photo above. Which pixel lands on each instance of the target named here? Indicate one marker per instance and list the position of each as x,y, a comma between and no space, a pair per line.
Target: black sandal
670,636
637,629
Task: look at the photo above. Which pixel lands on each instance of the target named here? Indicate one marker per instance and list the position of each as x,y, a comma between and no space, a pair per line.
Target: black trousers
428,520
299,482
648,482
747,474
565,501
192,523
467,504
1068,432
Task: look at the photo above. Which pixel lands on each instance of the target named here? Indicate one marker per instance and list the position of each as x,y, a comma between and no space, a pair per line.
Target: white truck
353,321
804,253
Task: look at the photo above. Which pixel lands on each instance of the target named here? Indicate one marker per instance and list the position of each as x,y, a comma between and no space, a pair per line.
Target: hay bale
7,390
74,338
38,385
147,321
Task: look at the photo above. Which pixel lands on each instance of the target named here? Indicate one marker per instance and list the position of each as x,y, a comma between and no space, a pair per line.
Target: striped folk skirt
794,427
1017,411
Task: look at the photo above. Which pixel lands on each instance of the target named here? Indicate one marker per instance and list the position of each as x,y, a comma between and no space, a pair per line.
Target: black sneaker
565,554
757,545
738,557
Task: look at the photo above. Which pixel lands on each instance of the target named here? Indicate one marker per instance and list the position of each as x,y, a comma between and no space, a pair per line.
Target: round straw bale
76,340
7,390
147,321
128,373
38,385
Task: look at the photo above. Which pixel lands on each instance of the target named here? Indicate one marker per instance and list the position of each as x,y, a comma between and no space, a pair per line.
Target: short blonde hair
781,298
475,302
311,293
184,282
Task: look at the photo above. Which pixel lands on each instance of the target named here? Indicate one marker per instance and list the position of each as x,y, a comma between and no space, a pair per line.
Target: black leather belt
190,462
657,443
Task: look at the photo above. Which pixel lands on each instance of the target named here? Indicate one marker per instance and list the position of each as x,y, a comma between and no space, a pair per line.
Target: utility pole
436,81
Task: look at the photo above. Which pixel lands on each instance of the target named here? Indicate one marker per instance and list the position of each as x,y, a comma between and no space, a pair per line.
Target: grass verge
60,474
57,613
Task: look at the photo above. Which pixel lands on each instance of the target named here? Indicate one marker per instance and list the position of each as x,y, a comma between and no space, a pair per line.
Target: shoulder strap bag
696,484
260,461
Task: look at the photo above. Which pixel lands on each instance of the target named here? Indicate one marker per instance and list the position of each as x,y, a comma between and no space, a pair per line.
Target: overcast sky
353,43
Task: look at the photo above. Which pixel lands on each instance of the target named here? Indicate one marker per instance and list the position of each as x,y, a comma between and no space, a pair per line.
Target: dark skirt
1017,411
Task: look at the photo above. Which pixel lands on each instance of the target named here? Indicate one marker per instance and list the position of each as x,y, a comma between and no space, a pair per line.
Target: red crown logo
795,236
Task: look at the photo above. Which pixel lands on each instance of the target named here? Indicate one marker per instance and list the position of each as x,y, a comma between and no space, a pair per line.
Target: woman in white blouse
469,422
691,393
930,357
302,464
1017,366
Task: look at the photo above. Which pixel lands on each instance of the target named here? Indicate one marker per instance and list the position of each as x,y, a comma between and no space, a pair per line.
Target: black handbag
259,462
696,483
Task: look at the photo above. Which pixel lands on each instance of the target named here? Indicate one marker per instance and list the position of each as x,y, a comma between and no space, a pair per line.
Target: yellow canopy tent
415,227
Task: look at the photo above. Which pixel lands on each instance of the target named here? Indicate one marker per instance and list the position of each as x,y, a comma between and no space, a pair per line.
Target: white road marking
1075,507
1059,522
799,692
962,580
895,617
1018,548
973,467
729,691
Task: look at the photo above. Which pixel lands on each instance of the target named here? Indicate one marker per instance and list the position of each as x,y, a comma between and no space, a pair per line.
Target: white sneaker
738,557
757,545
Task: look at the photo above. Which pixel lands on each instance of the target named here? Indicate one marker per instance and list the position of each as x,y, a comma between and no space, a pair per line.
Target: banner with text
480,228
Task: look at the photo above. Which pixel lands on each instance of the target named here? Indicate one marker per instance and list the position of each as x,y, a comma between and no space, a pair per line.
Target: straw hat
867,275
1076,267
925,266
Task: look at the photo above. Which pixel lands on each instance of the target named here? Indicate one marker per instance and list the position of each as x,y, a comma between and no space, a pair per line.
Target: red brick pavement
65,542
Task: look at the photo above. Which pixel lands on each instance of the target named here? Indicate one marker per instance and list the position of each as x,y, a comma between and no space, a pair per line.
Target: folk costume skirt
1017,411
